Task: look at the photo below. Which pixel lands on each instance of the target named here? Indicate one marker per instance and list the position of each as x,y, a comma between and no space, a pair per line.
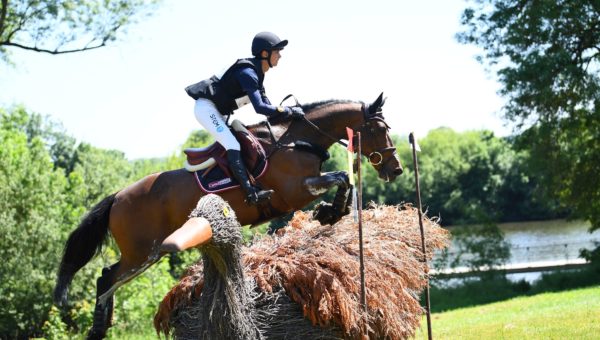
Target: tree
546,55
32,206
66,26
41,202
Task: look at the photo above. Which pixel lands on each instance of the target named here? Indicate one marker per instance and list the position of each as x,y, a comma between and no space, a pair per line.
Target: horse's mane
307,108
313,106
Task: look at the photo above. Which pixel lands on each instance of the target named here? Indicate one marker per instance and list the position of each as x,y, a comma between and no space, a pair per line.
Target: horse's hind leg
103,311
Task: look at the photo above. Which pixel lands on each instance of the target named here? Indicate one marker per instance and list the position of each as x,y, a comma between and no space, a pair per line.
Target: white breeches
212,120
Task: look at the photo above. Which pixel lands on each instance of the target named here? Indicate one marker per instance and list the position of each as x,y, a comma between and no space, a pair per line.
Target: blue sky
130,96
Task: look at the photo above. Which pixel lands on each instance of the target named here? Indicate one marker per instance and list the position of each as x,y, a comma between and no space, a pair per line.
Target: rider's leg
209,117
238,170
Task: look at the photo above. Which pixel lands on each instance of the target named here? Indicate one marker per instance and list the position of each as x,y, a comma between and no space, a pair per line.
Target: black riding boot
254,195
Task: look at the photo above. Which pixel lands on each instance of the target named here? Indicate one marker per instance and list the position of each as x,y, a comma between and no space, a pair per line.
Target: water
555,240
547,240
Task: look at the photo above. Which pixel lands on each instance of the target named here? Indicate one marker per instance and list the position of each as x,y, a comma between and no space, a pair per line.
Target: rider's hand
296,112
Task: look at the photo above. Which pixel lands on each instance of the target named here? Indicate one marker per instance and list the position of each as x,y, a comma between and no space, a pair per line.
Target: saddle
210,166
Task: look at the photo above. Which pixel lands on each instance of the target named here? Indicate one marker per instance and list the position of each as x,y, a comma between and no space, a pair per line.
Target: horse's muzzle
388,174
391,169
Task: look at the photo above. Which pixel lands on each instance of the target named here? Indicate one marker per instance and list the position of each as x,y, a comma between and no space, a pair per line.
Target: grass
572,314
499,288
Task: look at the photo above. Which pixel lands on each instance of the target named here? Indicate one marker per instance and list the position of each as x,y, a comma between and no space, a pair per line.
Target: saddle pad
214,180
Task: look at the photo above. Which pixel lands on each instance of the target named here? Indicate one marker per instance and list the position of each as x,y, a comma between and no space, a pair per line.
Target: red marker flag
350,138
350,155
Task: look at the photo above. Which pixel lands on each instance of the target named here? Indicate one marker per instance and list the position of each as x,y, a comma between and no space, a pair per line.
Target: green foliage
54,328
31,213
136,302
546,56
180,262
469,177
593,255
102,171
59,26
39,206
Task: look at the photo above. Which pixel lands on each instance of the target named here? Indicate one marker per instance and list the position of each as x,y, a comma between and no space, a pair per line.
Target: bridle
379,153
377,116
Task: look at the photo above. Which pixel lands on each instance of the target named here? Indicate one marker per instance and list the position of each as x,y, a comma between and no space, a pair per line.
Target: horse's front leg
330,213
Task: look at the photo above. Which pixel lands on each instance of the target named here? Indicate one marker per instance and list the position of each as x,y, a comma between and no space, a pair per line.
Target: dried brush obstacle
304,282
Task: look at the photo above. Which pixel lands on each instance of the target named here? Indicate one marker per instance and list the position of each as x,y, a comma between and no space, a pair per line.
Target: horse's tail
83,244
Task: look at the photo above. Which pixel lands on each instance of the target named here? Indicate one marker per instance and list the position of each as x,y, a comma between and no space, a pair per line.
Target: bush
31,218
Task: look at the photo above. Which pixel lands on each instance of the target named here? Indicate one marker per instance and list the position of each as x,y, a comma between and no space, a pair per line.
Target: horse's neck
331,120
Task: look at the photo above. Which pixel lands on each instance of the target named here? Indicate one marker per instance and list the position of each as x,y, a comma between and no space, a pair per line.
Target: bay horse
143,214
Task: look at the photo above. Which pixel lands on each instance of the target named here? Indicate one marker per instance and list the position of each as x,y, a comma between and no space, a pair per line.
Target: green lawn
572,314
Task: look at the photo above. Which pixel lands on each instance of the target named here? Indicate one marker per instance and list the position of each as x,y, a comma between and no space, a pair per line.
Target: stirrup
259,196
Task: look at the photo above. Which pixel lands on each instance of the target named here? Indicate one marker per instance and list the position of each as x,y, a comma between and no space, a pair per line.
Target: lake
548,240
542,241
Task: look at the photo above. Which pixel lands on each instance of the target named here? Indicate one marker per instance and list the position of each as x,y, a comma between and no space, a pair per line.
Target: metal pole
363,290
411,140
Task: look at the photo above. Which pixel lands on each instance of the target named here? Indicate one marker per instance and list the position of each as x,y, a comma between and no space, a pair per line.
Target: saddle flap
252,152
215,176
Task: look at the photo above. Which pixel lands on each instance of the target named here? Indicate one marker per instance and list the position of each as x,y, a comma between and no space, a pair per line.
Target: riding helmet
267,41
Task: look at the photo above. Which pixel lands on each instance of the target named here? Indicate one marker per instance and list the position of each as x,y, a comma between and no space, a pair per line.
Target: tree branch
36,49
3,16
23,20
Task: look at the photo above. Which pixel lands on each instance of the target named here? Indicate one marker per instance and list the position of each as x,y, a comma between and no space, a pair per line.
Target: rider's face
275,56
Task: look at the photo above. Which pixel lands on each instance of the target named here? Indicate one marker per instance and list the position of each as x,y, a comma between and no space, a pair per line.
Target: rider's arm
249,81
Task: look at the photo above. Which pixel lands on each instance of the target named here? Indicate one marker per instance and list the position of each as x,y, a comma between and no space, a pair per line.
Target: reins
324,133
344,144
311,124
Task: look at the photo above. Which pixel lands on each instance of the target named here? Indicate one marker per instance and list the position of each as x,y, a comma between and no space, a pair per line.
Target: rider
241,83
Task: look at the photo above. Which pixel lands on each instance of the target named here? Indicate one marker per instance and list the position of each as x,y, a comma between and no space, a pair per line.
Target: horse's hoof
325,214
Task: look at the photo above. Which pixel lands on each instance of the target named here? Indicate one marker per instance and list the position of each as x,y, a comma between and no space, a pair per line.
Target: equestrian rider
241,83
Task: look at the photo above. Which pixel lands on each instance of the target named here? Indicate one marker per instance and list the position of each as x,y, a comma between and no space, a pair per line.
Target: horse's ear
377,104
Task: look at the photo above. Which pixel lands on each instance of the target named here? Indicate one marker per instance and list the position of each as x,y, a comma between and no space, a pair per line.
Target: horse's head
377,145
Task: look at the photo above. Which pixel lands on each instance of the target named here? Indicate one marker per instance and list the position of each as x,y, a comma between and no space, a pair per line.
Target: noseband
379,153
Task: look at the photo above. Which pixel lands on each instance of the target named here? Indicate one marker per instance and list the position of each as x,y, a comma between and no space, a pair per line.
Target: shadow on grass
492,288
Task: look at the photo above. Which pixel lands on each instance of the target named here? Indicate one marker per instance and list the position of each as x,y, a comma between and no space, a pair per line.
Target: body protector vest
225,90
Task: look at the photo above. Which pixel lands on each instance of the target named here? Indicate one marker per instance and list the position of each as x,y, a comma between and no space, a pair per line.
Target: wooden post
411,140
363,290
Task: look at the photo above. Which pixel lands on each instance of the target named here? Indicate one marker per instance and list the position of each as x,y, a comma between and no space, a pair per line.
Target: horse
143,214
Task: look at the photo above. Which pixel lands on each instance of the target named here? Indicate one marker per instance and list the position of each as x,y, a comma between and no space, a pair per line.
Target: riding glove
296,112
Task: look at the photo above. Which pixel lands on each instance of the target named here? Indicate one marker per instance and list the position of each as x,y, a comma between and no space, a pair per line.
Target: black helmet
266,41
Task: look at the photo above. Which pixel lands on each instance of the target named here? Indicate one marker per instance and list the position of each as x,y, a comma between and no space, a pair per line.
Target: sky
130,96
